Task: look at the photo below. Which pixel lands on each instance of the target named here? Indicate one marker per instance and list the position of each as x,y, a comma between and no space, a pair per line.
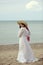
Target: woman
25,53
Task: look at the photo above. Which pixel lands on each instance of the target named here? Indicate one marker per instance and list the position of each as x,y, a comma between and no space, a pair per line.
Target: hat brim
22,22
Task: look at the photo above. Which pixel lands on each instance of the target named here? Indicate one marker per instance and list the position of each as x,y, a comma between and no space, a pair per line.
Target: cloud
34,5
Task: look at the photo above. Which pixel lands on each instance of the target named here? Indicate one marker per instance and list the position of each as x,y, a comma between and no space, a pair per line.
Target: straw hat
22,22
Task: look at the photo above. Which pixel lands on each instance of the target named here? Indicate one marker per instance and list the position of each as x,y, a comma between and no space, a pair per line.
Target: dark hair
19,26
25,27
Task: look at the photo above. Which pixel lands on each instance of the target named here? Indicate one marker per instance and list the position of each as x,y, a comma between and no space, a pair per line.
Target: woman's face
21,25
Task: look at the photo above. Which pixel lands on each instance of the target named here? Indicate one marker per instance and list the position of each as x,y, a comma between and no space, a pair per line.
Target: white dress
25,53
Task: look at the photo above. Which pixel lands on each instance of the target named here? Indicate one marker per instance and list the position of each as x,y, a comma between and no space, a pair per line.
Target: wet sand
8,54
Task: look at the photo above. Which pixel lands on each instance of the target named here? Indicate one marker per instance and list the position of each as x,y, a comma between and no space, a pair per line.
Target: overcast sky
21,9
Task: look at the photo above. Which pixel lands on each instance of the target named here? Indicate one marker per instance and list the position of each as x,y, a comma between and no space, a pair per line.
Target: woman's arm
20,32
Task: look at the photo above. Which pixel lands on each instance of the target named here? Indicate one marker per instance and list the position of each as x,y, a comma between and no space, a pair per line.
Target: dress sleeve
20,33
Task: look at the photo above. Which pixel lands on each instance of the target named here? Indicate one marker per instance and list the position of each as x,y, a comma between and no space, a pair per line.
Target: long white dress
25,53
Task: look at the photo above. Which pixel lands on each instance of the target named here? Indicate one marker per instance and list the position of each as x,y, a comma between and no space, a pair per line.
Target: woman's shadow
40,59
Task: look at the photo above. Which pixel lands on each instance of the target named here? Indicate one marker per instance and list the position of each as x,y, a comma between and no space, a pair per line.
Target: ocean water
9,31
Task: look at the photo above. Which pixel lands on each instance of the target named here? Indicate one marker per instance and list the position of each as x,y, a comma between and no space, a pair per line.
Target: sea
9,32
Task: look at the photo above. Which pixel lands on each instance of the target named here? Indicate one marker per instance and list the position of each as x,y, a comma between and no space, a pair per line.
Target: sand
8,54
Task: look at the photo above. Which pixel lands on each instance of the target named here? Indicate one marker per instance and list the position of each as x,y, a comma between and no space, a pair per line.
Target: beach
8,54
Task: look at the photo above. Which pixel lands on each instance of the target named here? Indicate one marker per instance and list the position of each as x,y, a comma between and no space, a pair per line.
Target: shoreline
36,45
18,43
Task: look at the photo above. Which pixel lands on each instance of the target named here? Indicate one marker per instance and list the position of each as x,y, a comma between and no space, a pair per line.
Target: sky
21,9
